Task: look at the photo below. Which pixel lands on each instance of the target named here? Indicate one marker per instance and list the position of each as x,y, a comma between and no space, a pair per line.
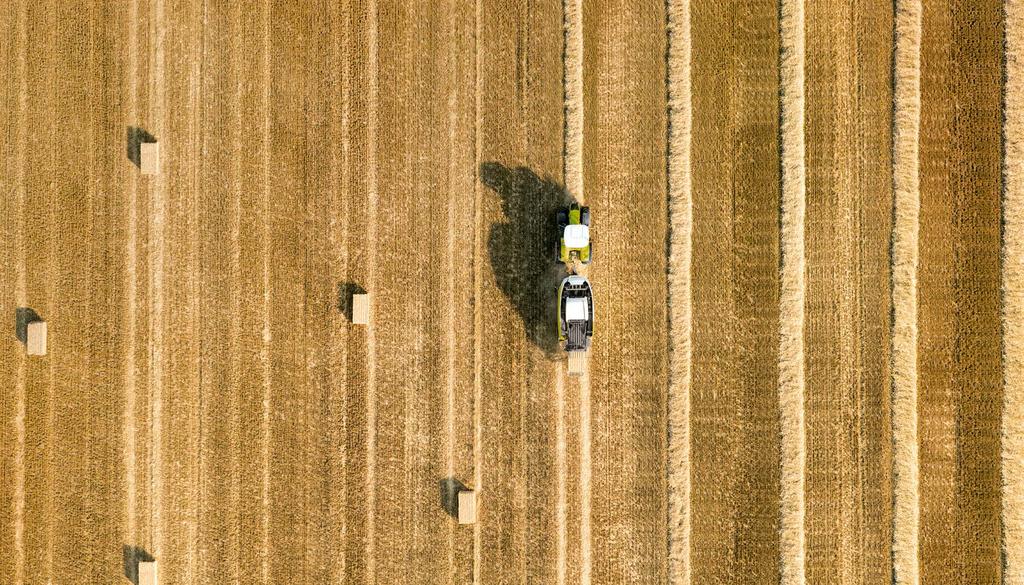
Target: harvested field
808,361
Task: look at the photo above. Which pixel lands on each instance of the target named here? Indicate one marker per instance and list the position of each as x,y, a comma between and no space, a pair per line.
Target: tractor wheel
585,216
563,219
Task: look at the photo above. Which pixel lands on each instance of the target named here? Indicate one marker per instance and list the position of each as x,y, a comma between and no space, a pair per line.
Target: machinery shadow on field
133,555
450,488
22,317
345,292
137,136
522,247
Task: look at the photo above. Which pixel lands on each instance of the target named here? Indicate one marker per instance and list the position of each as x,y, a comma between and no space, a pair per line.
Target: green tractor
574,235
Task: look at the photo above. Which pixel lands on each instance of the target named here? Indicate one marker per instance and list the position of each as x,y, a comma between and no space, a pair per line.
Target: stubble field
808,289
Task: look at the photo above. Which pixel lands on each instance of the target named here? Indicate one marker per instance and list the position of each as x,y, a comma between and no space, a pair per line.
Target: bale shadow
450,488
133,555
345,292
22,317
136,136
522,247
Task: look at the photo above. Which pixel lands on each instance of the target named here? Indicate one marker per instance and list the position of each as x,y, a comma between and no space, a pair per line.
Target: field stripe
572,14
477,284
371,272
680,194
235,355
959,366
791,300
451,266
571,168
906,186
52,274
560,462
235,536
734,422
131,291
265,426
1013,299
20,301
338,355
219,296
156,311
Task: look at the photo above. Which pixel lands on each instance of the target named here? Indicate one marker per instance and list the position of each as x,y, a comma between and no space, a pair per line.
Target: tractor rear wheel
585,216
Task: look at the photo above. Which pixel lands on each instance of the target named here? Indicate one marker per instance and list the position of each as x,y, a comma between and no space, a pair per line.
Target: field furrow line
12,78
198,164
449,303
585,479
560,456
287,209
251,367
265,423
235,537
680,195
131,291
371,280
1013,299
108,373
77,483
141,84
478,259
156,279
52,272
218,292
906,126
792,294
338,354
18,260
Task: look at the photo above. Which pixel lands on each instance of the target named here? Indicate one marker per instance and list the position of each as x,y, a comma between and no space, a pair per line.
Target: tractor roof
577,236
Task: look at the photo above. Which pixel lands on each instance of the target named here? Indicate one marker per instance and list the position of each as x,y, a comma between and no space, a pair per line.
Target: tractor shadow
522,247
133,555
136,136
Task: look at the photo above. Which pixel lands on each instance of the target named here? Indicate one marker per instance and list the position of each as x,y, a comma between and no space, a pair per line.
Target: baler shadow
133,555
137,136
345,292
450,488
522,247
23,316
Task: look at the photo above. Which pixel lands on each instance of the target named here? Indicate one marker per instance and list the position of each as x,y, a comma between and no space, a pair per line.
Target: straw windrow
1013,300
680,197
906,126
791,348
